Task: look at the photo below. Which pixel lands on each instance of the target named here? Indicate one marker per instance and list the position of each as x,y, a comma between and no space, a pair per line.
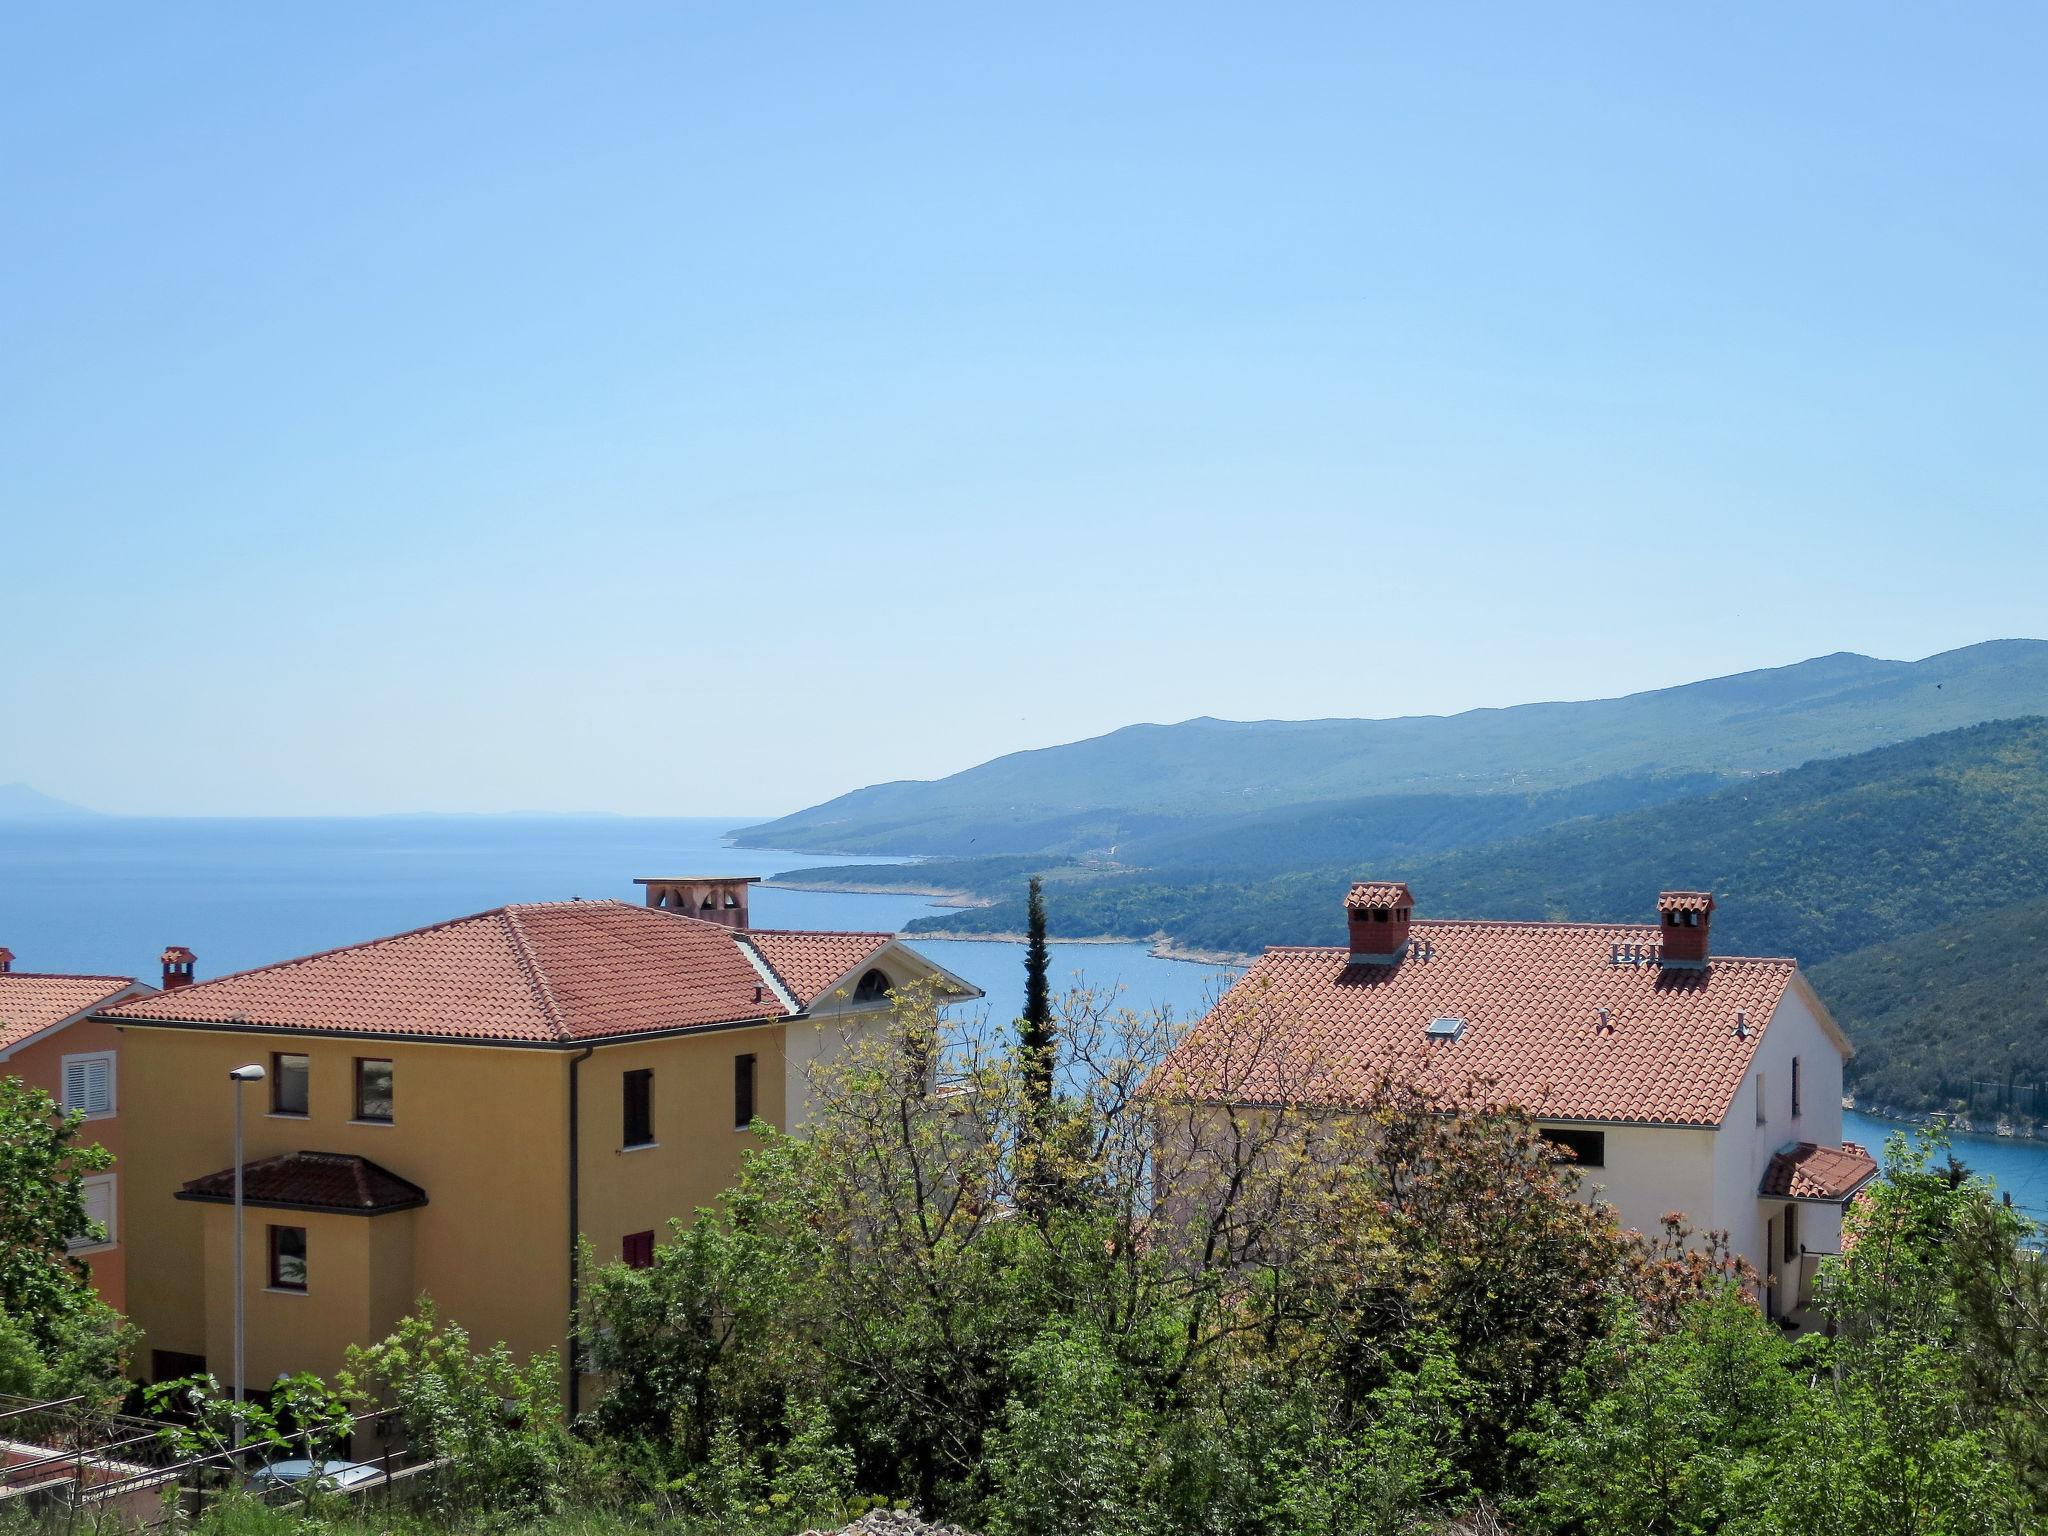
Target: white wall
1743,1148
1651,1170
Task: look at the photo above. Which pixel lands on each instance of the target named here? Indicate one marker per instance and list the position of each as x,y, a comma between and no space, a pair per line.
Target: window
1795,1087
288,1258
98,1195
872,987
638,1109
290,1084
89,1083
174,1365
1587,1148
1791,1233
637,1250
1763,1112
742,1092
373,1089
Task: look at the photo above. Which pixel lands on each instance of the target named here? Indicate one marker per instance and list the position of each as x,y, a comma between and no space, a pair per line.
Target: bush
499,1423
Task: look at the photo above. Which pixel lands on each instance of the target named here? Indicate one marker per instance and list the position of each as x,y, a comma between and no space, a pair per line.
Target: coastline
941,895
1957,1125
1158,949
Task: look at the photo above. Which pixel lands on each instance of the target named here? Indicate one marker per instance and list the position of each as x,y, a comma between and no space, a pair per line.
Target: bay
106,894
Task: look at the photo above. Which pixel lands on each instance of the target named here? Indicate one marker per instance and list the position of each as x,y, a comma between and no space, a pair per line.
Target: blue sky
707,408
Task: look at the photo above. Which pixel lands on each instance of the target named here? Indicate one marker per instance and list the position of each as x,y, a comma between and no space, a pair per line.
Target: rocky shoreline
1961,1124
1161,947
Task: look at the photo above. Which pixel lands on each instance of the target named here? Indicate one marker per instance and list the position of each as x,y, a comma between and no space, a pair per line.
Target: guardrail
68,1455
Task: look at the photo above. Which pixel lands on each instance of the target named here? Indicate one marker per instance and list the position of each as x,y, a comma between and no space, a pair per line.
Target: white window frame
86,1060
110,1183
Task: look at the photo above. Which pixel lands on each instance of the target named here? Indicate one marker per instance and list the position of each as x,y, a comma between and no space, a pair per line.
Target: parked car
303,1475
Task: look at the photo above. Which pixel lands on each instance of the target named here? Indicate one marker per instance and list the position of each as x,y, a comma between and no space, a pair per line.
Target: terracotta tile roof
542,973
314,1181
808,963
1685,901
1367,894
1813,1172
1530,996
30,1002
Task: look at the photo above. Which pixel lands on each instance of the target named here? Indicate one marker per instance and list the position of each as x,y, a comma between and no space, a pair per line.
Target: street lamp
252,1073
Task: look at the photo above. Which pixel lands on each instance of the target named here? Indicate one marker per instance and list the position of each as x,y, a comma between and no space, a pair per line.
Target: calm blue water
2017,1167
108,895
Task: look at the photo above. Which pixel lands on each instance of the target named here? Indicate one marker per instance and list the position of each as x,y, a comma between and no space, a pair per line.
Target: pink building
47,1040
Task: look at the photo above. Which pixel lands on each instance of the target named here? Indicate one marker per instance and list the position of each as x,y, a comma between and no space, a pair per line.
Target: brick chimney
178,962
1376,913
1685,918
6,959
720,899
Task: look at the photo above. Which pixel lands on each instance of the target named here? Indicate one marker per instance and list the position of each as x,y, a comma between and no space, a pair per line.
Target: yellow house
447,1111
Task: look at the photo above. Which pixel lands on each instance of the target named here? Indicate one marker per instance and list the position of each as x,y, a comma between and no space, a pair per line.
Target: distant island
24,802
1884,821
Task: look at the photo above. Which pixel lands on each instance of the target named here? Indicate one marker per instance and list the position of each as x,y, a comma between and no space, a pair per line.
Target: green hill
1825,859
1167,781
1952,1017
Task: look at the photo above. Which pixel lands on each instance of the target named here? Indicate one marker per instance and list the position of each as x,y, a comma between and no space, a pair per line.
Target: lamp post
240,1076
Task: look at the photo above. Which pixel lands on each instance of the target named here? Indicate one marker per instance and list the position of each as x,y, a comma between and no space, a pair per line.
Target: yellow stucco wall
483,1130
697,1151
349,1298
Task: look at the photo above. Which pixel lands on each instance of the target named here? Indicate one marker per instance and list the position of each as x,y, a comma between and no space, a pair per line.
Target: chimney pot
1684,919
177,963
6,959
720,899
1376,915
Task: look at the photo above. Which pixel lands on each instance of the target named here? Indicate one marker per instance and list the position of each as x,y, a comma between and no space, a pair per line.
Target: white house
1682,1080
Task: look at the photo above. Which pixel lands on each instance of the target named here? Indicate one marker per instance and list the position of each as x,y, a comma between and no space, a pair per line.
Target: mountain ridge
1083,797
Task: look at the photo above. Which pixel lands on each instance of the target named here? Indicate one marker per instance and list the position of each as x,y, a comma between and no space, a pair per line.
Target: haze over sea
106,894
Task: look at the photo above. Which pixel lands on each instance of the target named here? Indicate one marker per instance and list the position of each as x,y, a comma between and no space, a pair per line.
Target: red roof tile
808,963
1531,997
316,1181
542,973
1370,893
1813,1172
30,1003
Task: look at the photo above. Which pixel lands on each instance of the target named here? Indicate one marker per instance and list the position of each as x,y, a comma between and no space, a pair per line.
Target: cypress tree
1036,1042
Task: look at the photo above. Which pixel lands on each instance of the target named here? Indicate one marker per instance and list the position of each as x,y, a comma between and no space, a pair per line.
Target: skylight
1446,1028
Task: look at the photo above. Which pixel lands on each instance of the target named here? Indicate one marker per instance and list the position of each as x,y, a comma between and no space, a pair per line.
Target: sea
106,894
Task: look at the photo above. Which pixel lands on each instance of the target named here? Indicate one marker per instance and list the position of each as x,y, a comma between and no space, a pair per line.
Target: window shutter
89,1083
97,1195
99,1086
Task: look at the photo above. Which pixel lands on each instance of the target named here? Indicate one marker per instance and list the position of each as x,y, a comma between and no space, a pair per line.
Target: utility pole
240,1077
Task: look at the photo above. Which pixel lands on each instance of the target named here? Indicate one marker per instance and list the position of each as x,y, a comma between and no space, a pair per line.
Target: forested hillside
1816,862
1953,1015
1168,781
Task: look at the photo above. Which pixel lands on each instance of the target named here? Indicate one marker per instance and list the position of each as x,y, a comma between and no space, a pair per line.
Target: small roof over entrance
311,1181
1810,1171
